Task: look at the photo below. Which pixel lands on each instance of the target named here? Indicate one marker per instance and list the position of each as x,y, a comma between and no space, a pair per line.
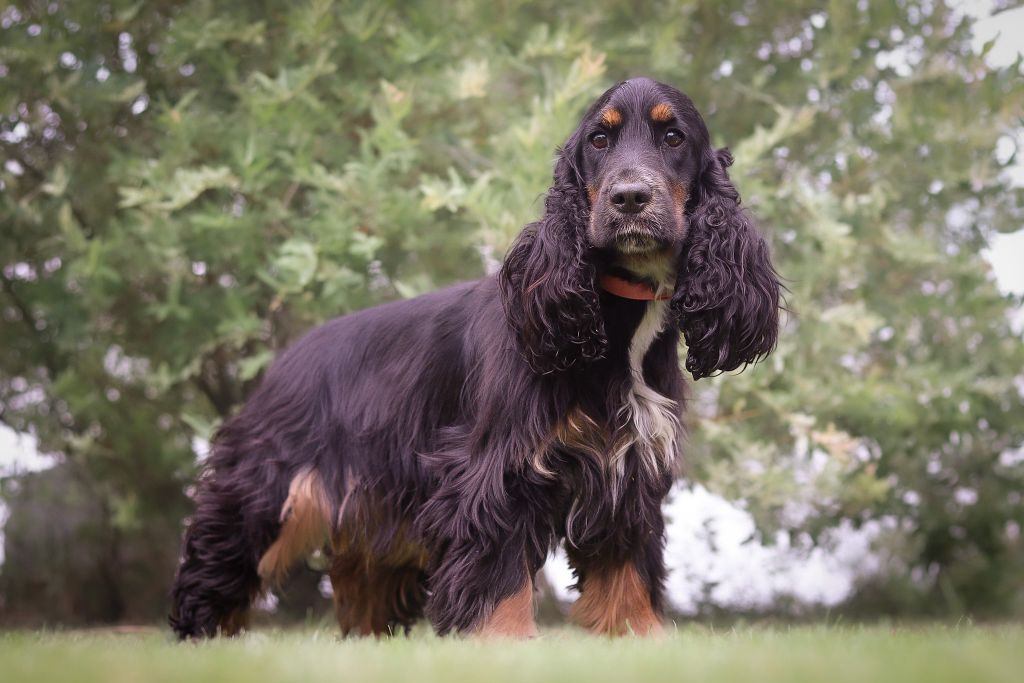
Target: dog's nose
630,197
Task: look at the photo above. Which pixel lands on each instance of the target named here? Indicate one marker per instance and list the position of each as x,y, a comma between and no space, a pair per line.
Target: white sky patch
1006,254
18,455
3,521
1004,28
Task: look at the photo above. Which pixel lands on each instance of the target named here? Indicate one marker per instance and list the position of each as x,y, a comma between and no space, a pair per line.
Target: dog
438,448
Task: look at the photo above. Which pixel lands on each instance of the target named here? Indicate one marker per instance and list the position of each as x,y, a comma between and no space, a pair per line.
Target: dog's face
640,152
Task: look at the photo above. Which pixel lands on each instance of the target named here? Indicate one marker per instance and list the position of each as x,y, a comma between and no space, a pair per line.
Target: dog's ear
727,293
547,279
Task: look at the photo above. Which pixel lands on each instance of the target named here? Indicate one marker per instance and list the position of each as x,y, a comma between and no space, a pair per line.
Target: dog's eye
599,140
674,138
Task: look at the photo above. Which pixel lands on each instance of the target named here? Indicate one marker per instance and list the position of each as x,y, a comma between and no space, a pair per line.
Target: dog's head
638,188
639,153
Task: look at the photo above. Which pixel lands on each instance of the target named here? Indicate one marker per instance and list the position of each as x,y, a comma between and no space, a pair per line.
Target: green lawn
787,655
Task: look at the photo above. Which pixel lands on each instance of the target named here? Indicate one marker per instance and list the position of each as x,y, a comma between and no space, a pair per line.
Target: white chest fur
649,420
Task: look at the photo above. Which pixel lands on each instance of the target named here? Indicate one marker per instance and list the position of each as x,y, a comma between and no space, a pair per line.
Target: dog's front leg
490,531
617,600
483,589
621,573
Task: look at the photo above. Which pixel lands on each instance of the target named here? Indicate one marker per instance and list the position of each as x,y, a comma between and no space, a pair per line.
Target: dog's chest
639,438
650,326
647,420
644,426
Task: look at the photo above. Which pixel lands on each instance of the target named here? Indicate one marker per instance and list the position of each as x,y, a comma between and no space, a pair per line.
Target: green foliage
189,185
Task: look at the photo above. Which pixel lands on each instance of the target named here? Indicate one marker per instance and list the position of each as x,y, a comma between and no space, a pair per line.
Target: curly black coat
439,447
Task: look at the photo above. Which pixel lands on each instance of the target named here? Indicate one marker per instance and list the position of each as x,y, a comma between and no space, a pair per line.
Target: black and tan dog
439,447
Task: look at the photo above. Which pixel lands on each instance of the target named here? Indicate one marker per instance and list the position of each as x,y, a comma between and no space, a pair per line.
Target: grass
787,655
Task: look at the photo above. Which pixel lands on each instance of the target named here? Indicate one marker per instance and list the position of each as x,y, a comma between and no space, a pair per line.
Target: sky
708,537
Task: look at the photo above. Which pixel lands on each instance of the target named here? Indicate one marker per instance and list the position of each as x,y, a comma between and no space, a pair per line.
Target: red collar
613,284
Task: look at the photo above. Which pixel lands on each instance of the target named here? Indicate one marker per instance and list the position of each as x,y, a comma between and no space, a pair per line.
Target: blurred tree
71,563
189,185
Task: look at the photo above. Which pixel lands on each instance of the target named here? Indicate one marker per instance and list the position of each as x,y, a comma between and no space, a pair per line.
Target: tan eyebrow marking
611,117
661,112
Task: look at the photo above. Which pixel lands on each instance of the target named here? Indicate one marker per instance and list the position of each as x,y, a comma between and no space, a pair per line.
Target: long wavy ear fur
727,295
547,279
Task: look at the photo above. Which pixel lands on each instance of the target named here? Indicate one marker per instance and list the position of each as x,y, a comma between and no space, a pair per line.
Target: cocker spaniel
438,448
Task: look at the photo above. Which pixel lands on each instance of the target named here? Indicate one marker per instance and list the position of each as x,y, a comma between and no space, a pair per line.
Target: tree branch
52,358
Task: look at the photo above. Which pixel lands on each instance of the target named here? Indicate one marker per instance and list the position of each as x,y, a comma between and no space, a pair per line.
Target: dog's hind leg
246,532
305,526
373,598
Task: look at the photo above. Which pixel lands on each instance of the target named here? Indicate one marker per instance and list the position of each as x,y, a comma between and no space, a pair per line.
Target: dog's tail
254,516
